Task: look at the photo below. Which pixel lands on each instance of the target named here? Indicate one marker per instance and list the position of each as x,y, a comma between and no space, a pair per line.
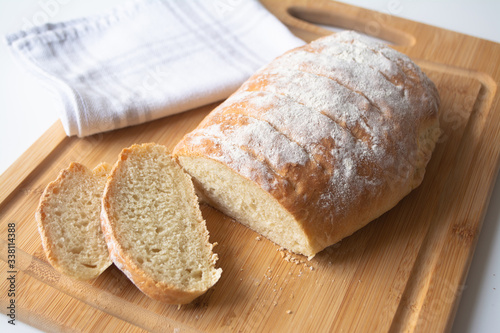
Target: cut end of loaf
154,228
69,222
247,203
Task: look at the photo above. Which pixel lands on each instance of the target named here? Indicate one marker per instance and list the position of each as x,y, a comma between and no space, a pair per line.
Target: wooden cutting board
403,272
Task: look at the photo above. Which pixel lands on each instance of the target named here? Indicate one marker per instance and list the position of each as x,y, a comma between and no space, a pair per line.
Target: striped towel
149,59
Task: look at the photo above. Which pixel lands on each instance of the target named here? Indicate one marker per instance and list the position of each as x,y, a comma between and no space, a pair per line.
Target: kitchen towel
149,58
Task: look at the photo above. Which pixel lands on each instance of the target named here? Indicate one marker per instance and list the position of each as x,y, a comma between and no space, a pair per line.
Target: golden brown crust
364,114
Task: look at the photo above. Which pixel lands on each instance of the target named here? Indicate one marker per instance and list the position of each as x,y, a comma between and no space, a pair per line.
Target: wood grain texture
403,272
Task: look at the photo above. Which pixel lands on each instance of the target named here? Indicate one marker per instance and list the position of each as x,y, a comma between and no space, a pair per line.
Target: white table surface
26,112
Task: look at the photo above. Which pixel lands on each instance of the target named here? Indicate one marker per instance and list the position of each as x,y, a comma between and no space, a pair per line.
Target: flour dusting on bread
333,134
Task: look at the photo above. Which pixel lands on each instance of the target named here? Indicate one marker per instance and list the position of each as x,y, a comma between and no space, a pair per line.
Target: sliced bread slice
154,228
68,218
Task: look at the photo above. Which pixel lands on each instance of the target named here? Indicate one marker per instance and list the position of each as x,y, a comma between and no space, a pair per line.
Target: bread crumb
289,257
258,238
289,311
293,259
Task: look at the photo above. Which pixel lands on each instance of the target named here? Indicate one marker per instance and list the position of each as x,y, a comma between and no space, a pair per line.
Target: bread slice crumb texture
154,227
239,198
69,222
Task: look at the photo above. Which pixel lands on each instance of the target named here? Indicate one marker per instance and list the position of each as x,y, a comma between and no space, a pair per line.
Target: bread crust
370,131
158,290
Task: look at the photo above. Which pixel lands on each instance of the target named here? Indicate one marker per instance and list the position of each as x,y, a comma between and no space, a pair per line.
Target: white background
27,111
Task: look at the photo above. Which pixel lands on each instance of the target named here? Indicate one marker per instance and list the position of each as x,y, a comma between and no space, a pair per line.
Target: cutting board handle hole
320,22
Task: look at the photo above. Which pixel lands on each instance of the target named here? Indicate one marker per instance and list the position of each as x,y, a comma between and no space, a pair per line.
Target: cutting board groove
403,272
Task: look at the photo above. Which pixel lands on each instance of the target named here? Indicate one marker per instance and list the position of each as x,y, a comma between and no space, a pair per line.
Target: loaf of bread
154,228
68,218
320,142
